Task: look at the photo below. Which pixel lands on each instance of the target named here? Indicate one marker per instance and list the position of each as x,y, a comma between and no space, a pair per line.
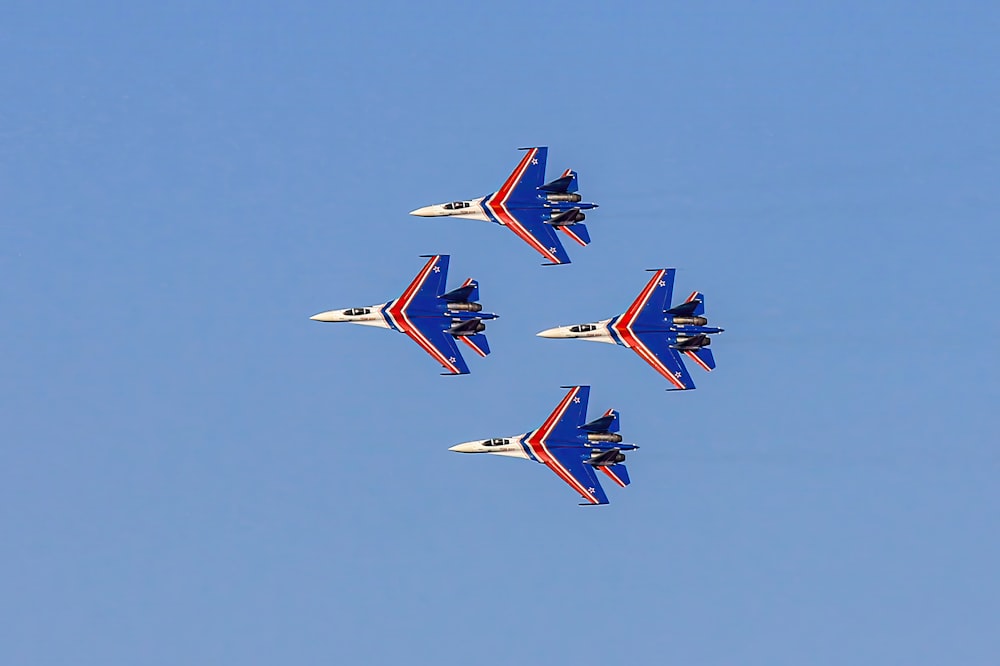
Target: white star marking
437,269
590,489
552,249
663,283
451,359
678,374
534,161
576,400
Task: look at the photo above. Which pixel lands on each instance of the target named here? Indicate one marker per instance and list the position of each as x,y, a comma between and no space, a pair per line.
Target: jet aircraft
532,210
658,333
435,320
574,450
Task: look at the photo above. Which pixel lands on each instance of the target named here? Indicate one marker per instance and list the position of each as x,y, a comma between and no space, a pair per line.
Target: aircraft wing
523,182
430,334
529,225
569,465
649,306
655,349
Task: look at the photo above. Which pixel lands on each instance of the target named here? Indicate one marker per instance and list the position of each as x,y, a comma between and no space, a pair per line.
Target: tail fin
702,357
609,422
467,293
577,232
477,342
617,473
564,184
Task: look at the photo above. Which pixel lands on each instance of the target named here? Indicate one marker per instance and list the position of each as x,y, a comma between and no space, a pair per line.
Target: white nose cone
467,447
427,211
557,332
330,315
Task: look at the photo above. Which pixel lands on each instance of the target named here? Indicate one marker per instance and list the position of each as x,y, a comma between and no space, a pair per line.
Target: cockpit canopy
496,441
583,328
456,205
354,312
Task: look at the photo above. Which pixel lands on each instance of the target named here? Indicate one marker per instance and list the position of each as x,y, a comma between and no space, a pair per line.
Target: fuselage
527,447
614,331
382,315
488,209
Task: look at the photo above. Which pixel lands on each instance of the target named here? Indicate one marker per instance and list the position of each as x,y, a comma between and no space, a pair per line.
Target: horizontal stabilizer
578,232
467,293
477,342
617,473
563,184
702,357
607,423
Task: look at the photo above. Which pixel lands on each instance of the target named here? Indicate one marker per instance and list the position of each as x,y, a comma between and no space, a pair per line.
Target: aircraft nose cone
423,211
464,447
330,315
550,333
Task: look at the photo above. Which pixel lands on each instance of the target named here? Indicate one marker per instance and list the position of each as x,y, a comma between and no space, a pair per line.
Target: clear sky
195,473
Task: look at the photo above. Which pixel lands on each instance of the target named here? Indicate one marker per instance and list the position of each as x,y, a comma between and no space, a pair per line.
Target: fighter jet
574,450
530,209
658,333
435,320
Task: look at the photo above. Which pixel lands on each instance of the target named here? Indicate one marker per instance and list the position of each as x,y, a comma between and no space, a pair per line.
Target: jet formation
532,210
537,212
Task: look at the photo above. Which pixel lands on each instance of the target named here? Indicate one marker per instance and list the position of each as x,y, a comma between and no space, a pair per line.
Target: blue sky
193,472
